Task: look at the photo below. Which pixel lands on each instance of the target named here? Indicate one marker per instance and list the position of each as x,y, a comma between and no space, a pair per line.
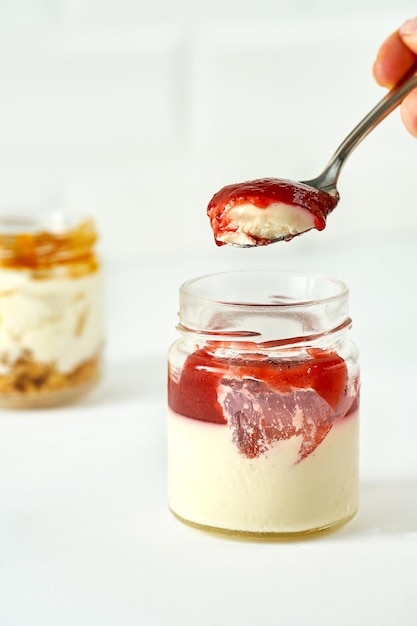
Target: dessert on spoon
263,211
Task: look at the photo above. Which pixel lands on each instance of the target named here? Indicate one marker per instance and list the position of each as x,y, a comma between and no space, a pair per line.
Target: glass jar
263,396
51,309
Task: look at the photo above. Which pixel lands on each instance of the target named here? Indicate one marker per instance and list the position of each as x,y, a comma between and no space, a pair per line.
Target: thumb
408,34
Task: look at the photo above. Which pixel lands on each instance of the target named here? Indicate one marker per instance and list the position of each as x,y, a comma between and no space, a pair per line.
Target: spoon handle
384,107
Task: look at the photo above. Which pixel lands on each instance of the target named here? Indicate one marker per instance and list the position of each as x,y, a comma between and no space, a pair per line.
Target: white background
137,113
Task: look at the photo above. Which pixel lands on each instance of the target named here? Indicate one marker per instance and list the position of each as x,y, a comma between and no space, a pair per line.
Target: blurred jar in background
51,309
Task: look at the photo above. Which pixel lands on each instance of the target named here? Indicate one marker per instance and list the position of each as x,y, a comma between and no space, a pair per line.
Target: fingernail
409,27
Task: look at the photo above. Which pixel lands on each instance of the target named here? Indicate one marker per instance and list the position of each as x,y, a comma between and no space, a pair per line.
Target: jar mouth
265,288
29,221
270,306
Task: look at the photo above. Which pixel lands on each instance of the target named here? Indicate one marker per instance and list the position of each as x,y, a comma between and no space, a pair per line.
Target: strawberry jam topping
262,193
264,400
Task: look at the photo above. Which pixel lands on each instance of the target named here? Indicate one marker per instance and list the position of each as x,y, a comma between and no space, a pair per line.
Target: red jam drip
264,400
264,192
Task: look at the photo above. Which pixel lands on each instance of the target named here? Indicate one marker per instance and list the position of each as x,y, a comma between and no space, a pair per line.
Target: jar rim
32,221
335,289
273,307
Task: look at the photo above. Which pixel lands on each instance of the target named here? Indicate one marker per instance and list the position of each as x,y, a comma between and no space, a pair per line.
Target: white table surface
85,534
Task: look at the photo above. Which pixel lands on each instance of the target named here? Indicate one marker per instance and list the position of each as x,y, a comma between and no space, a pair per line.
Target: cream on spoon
266,210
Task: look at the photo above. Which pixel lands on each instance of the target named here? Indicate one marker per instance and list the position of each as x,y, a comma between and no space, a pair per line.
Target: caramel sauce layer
44,250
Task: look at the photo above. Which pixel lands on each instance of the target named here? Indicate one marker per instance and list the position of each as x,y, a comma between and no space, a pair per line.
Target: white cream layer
57,320
276,221
212,484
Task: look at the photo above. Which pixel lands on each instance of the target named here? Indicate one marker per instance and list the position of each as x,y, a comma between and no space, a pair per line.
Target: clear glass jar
51,309
263,396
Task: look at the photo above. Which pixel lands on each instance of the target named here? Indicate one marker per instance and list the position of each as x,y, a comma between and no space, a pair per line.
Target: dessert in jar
51,309
263,396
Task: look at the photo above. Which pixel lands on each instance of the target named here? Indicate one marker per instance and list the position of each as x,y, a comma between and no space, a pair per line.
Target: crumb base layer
29,384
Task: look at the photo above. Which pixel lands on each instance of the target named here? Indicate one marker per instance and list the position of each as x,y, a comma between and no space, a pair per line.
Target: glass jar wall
263,395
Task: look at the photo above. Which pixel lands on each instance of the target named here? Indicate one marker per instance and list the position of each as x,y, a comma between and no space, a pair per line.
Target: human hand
395,56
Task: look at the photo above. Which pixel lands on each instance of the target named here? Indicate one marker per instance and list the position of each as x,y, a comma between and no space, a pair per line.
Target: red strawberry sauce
263,400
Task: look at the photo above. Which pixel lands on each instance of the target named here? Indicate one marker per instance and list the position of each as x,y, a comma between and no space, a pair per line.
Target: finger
408,34
393,60
409,112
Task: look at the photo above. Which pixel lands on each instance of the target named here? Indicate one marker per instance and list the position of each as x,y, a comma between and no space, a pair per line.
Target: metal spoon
327,180
307,203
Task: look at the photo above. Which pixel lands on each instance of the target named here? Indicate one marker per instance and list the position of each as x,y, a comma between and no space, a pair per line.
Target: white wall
139,111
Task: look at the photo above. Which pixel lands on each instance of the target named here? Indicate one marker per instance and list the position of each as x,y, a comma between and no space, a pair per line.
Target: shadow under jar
263,395
51,309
